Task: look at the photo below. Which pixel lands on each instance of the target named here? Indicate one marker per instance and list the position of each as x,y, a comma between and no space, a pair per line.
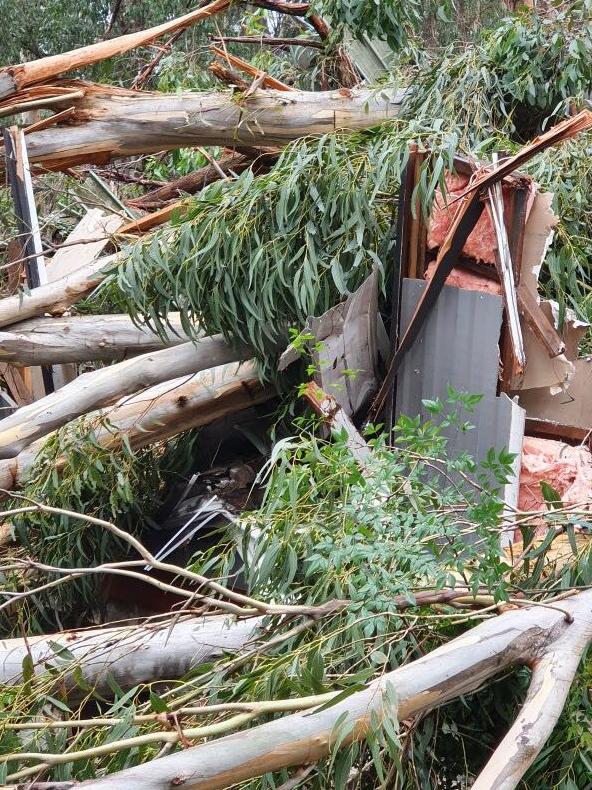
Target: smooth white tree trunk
159,413
99,388
83,338
116,123
131,655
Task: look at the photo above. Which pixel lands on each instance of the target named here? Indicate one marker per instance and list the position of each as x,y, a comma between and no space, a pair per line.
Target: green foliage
517,76
75,471
329,529
392,21
252,257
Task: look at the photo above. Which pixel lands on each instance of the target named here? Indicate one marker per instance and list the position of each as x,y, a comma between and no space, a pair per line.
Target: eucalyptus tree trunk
102,387
131,654
550,641
112,123
83,338
159,413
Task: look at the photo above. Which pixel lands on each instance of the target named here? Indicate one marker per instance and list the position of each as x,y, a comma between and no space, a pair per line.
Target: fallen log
131,655
83,338
111,122
102,387
55,297
159,413
552,641
15,78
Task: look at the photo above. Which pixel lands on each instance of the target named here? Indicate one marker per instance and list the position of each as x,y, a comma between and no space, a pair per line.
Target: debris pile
204,588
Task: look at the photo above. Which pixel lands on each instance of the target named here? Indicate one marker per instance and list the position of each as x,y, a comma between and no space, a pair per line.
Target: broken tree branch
270,41
55,297
15,78
159,413
191,183
115,123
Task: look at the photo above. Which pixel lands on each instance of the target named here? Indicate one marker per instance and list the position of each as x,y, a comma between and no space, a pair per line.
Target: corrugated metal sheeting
458,346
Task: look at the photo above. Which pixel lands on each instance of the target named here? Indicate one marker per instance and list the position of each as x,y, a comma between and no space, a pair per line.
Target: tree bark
55,297
102,387
159,413
131,655
113,123
15,78
457,668
82,338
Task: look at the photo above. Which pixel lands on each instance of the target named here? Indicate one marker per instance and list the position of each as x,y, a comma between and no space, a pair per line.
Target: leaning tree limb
234,163
132,654
15,78
83,338
159,413
99,388
459,667
111,122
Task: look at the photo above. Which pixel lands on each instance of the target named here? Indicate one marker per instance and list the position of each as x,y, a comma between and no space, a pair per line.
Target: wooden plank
540,324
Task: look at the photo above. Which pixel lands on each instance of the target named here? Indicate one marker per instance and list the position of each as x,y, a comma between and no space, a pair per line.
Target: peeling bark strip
131,655
161,412
83,338
102,387
14,78
463,665
116,123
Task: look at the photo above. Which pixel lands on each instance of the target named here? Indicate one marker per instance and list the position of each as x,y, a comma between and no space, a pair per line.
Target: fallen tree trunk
102,387
15,78
111,122
131,655
84,338
159,413
55,297
550,640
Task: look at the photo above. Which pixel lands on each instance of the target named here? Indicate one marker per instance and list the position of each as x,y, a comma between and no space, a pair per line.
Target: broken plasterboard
554,373
348,341
571,408
543,370
458,347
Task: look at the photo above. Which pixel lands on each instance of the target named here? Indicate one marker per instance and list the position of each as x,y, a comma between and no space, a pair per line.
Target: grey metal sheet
458,346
